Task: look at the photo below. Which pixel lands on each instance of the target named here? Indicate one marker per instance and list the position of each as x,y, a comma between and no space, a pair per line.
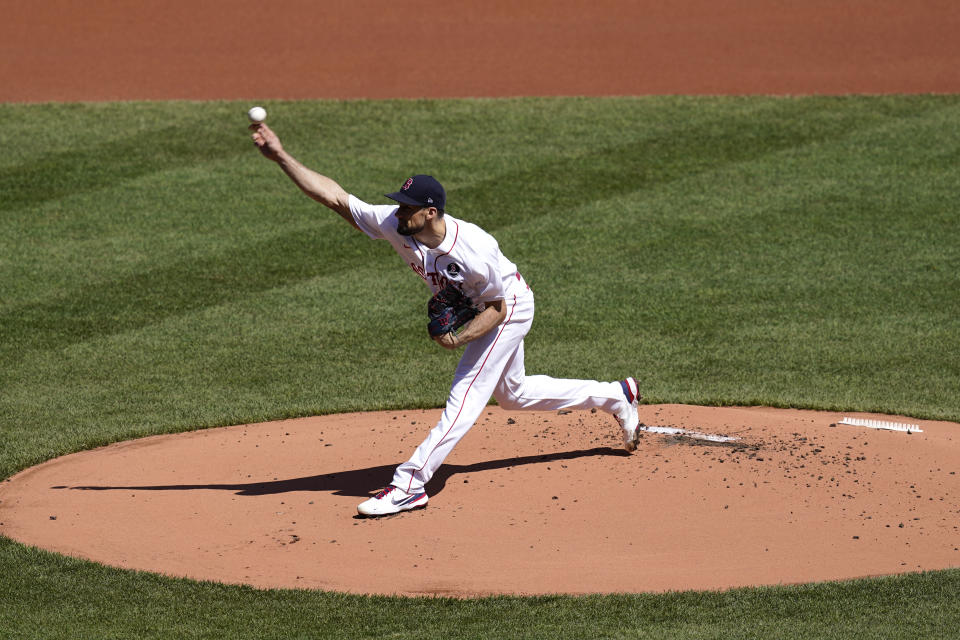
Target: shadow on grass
361,483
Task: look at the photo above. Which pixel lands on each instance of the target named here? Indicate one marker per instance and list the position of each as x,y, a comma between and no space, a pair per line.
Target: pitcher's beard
407,230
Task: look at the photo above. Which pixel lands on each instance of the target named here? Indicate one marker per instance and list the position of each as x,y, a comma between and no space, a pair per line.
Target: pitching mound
528,503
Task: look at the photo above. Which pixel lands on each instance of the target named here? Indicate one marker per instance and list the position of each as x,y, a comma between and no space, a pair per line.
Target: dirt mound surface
528,503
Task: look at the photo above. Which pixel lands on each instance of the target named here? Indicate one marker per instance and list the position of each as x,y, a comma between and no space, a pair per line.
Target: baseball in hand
257,114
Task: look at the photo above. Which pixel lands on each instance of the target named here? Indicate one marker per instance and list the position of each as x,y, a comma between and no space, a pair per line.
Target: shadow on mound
360,482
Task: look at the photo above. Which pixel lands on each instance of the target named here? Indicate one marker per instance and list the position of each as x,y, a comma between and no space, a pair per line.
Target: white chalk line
673,431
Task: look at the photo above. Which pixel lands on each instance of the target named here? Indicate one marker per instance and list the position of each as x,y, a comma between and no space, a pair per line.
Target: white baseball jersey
468,255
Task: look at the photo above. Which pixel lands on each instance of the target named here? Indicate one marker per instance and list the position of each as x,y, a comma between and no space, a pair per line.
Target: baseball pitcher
480,302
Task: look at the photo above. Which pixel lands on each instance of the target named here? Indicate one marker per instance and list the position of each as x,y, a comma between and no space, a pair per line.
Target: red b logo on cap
407,184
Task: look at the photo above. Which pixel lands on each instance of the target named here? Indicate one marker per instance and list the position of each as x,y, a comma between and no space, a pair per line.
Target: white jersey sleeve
371,217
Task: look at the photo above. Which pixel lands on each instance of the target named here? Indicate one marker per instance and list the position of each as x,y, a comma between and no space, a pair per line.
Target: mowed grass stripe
196,282
810,263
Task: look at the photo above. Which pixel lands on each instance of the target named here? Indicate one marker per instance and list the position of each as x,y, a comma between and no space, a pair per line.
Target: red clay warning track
114,50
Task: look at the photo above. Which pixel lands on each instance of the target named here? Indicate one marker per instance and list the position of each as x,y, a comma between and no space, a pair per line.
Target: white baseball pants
493,365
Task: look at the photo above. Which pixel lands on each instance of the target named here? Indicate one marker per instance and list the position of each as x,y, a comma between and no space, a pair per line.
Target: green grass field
158,275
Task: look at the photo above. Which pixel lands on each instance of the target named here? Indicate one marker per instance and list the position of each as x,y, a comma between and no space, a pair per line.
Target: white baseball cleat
629,416
392,500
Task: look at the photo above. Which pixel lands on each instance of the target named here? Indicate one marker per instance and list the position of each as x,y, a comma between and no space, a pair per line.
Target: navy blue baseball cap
422,191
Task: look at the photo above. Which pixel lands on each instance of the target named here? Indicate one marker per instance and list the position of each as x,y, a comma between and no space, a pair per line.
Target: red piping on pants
464,401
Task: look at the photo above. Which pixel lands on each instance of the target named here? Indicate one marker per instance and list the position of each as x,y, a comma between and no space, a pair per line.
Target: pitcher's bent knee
508,399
